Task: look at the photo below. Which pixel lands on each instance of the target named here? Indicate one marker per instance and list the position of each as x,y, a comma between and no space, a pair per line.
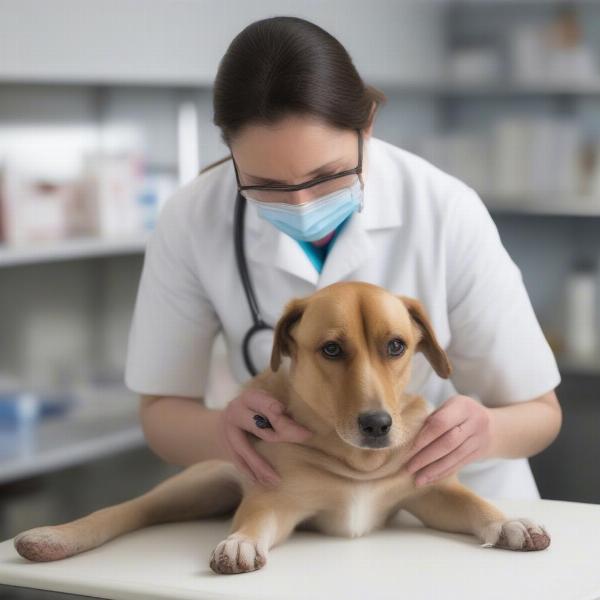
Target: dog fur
344,480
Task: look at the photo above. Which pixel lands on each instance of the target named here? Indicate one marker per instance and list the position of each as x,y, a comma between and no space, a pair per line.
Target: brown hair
283,65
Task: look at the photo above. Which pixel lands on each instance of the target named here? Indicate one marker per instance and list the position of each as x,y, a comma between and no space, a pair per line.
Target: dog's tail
206,489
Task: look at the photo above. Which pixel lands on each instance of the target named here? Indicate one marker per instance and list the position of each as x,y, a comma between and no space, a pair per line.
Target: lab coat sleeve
174,324
497,349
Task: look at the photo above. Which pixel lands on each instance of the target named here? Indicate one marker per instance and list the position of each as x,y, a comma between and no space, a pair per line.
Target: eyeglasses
322,185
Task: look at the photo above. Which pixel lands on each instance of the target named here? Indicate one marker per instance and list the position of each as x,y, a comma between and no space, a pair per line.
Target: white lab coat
422,233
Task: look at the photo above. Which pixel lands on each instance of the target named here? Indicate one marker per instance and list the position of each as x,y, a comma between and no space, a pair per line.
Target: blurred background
106,108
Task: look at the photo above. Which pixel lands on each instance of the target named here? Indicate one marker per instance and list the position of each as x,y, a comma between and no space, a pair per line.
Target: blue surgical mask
312,220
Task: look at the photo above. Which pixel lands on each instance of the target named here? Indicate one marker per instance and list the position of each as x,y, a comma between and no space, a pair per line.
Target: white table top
405,560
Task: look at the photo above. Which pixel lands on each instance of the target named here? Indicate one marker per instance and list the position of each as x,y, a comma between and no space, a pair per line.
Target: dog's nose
374,423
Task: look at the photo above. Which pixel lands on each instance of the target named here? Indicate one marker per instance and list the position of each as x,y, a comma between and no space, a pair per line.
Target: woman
294,112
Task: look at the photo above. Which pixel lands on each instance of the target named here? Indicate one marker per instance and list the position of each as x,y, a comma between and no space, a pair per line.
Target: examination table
403,561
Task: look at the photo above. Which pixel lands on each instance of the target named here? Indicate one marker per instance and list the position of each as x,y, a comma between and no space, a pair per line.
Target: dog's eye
396,347
331,349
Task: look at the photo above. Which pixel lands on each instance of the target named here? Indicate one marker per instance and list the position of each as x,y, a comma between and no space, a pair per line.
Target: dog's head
350,345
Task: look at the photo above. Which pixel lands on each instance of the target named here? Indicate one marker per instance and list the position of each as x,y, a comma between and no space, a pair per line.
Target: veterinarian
294,112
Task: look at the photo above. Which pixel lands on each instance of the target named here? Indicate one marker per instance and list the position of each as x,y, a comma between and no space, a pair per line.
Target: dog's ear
428,343
283,341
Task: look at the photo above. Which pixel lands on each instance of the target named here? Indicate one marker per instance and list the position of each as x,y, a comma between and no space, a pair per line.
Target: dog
340,361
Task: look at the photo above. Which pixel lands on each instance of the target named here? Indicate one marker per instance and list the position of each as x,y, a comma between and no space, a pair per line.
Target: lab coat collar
268,245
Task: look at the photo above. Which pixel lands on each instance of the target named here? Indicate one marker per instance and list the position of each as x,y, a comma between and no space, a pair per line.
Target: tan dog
340,361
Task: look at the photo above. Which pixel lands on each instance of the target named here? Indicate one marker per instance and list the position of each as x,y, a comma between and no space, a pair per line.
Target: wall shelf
536,204
438,87
81,248
494,89
579,366
71,249
105,423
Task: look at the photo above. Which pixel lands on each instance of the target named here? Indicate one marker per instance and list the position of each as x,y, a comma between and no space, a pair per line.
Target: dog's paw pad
237,554
43,544
516,534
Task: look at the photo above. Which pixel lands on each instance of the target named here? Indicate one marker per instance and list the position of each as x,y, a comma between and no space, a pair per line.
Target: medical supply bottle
581,331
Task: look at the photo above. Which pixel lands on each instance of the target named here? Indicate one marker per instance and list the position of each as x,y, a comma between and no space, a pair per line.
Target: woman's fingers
256,462
259,400
285,427
238,419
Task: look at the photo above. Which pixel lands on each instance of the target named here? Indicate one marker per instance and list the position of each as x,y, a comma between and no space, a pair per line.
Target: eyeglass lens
305,195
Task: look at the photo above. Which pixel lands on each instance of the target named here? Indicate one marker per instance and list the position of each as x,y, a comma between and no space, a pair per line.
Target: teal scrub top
317,255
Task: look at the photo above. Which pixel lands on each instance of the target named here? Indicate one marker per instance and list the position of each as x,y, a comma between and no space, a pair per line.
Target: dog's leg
205,489
262,520
451,506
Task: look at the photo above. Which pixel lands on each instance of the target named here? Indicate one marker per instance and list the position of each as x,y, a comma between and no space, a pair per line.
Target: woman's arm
182,431
525,429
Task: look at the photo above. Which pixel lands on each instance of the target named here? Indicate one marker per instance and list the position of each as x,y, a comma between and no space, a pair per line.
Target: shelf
493,89
579,366
108,81
105,423
71,249
75,249
437,87
531,204
519,3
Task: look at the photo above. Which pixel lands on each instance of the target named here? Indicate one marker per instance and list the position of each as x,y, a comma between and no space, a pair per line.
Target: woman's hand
458,432
238,418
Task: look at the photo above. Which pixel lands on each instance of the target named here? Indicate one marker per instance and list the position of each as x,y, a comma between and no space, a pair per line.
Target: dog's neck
351,461
354,462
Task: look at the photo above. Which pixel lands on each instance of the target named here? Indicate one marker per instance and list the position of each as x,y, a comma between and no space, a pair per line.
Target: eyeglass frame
310,183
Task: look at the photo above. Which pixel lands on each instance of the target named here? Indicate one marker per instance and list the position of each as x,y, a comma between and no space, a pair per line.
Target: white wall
182,41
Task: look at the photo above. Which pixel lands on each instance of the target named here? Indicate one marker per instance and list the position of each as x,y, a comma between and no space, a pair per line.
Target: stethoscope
240,257
259,324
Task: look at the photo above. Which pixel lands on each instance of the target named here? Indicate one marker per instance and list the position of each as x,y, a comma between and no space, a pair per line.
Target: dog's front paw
516,534
237,554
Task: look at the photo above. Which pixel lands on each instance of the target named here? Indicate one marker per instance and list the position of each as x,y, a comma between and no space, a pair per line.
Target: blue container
19,408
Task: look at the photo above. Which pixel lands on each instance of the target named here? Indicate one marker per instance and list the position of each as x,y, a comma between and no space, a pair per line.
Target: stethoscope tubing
240,256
